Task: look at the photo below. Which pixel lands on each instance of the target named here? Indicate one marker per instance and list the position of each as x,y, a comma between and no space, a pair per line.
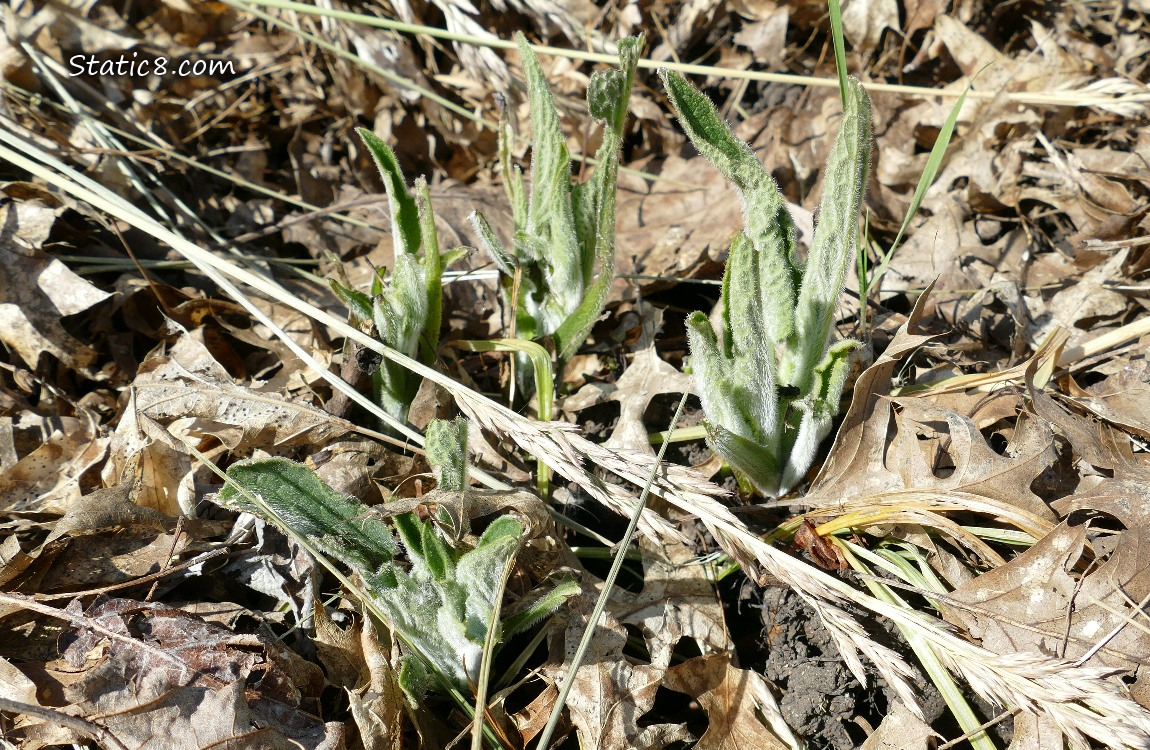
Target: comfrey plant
769,379
406,309
441,603
563,229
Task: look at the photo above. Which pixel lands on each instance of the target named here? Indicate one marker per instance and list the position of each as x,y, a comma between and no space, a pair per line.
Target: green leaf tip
404,213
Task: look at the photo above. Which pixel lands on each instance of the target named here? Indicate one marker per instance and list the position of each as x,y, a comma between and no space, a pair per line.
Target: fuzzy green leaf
594,202
757,463
432,270
738,392
504,261
446,446
527,616
480,572
833,244
764,281
410,532
512,175
435,553
298,499
400,315
358,303
549,230
405,229
768,391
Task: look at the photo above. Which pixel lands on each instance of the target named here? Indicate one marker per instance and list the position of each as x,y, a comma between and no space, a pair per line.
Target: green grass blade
836,14
951,693
926,179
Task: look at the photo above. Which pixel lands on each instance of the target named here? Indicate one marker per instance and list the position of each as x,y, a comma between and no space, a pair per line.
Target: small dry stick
97,732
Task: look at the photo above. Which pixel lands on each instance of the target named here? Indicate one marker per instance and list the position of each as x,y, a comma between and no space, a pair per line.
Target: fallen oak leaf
731,697
645,378
609,694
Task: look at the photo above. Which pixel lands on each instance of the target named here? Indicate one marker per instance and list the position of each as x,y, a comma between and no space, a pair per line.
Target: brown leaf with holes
609,693
158,677
645,378
189,387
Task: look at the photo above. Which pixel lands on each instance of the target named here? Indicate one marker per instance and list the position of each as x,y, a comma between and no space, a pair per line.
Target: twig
203,557
97,732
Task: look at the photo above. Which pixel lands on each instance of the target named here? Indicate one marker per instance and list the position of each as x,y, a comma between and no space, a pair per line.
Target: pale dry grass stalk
1118,95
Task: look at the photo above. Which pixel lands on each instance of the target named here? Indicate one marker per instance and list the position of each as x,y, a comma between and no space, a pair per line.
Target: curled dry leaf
47,480
356,661
732,698
1123,399
36,291
609,693
188,391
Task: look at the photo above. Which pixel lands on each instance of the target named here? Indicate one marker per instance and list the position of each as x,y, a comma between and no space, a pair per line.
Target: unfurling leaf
440,605
769,384
563,232
446,446
405,229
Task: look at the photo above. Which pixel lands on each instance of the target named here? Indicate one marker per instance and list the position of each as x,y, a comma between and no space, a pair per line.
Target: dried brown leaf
609,693
170,680
900,730
36,291
48,478
187,391
865,20
1088,299
645,378
1123,399
732,697
679,600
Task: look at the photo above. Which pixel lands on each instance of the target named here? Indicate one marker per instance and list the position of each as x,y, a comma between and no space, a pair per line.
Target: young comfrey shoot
441,601
405,309
562,261
768,376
